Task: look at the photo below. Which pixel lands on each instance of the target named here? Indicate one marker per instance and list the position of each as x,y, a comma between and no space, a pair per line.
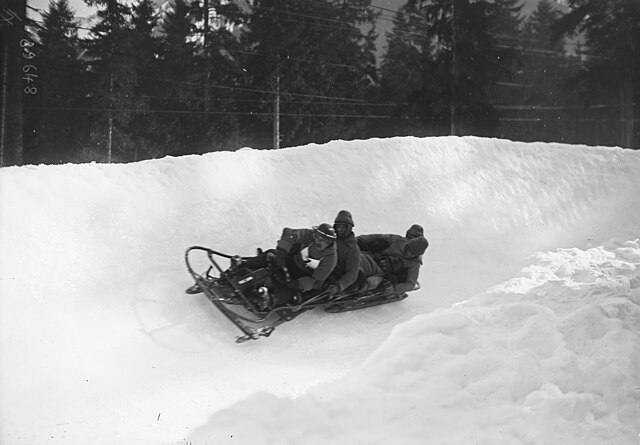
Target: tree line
196,76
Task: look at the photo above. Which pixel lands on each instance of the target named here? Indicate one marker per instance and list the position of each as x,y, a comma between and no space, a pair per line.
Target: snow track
100,345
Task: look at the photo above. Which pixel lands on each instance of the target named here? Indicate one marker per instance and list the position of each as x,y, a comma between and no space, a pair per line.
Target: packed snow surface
526,329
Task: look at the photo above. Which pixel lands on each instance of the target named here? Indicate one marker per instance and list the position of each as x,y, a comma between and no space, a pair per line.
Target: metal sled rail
250,333
261,327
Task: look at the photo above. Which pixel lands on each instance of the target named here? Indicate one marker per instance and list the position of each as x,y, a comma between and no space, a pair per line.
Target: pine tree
545,66
56,121
538,28
319,58
458,58
541,109
612,31
508,89
469,62
112,61
508,19
506,29
216,72
145,128
14,27
177,78
406,65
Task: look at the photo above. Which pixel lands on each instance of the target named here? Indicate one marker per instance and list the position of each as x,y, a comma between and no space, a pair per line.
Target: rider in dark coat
309,255
313,253
414,231
348,266
397,255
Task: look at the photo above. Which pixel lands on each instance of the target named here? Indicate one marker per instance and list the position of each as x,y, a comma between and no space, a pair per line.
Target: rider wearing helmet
397,255
309,256
315,256
347,268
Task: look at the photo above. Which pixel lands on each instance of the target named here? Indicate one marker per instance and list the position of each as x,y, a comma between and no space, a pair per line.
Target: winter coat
372,273
377,243
368,265
346,271
314,264
406,270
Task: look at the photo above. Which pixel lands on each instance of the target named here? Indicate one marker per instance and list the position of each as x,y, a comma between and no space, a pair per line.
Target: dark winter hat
415,231
344,216
416,247
325,230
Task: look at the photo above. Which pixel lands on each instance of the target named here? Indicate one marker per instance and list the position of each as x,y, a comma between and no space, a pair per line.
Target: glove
370,283
276,258
334,290
392,278
305,284
385,265
287,240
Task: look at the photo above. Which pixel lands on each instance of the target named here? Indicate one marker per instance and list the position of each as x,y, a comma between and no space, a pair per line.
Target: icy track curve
100,345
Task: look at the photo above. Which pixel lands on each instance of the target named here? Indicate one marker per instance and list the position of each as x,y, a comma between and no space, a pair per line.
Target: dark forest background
145,82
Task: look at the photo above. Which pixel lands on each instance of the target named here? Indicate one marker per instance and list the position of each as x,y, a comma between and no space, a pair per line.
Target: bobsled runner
257,301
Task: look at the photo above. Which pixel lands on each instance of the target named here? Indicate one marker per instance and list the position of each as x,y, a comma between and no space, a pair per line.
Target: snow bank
550,358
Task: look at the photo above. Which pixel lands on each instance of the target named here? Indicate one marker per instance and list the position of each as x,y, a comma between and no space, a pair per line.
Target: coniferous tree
506,30
612,69
112,62
508,19
178,79
406,65
459,60
538,27
539,109
316,54
355,48
56,122
217,70
468,62
546,66
145,128
14,27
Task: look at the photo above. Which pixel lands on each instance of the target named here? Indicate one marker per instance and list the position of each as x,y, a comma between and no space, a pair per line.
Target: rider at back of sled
309,256
399,257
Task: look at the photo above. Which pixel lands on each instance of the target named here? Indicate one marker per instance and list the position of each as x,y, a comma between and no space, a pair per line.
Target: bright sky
525,330
82,10
79,6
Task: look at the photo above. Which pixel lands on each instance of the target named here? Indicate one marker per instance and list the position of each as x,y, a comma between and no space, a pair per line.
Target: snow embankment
100,345
549,357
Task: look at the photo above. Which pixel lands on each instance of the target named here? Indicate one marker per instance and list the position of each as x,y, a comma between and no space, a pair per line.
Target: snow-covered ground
526,329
